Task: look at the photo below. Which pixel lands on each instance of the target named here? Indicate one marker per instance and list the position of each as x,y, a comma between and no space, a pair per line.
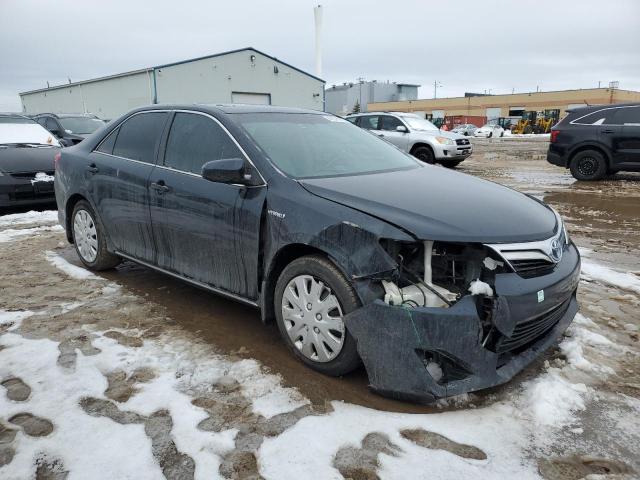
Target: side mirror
227,170
401,128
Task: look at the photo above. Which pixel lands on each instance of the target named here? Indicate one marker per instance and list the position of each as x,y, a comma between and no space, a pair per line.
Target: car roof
230,108
379,113
65,115
593,108
15,115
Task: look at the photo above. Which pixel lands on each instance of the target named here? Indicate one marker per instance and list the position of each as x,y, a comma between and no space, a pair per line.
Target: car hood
25,159
434,203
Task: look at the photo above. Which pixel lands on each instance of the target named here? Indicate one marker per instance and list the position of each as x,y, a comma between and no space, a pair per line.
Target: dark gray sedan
439,282
27,155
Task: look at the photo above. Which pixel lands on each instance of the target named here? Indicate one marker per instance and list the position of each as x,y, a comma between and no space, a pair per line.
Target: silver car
466,129
416,136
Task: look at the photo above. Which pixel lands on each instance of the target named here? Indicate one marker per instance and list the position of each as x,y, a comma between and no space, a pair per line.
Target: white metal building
342,99
239,76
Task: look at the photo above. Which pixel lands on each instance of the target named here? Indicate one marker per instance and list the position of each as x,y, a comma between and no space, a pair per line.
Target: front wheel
311,298
424,154
89,239
588,165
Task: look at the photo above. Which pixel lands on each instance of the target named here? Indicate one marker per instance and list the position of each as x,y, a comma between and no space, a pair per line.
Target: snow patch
42,177
29,217
11,234
13,318
73,271
478,287
601,273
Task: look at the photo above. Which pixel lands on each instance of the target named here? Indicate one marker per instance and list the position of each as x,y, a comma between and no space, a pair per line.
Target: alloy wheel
85,236
313,318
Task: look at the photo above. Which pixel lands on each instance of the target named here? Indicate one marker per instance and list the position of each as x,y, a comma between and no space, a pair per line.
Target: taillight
554,135
56,159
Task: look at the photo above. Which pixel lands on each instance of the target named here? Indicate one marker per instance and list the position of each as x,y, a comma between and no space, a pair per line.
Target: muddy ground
133,305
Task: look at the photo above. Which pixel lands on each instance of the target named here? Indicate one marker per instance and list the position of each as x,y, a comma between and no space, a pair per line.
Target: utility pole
436,84
360,82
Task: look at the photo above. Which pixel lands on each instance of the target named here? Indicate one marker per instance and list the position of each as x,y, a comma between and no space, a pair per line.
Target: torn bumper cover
421,354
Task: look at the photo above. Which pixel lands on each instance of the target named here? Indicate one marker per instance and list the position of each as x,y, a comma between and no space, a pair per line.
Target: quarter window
627,116
51,124
107,144
390,123
195,140
138,137
369,122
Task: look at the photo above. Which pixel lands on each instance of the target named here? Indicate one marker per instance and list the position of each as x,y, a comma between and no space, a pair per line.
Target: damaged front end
453,318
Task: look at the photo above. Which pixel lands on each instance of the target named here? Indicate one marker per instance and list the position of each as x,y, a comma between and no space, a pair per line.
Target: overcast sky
466,45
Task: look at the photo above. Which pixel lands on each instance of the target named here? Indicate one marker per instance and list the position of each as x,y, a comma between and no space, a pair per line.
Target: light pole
436,84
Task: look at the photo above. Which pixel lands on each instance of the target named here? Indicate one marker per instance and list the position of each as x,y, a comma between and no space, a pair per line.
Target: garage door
493,113
251,98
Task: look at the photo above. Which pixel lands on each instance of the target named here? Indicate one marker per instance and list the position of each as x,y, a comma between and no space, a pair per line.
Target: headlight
445,141
565,234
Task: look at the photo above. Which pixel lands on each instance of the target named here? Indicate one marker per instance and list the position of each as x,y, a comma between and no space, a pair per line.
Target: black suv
69,128
595,141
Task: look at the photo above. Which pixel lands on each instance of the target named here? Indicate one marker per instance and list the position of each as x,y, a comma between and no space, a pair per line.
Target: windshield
24,132
417,123
310,145
81,125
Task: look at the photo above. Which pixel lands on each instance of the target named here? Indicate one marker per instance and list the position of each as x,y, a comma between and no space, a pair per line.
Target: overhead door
251,98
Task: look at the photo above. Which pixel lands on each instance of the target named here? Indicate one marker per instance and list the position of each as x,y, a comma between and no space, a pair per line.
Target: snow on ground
11,234
48,216
74,272
511,431
601,273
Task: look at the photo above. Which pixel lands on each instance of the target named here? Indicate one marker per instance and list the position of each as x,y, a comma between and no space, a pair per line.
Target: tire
89,239
424,154
588,165
300,274
502,134
490,135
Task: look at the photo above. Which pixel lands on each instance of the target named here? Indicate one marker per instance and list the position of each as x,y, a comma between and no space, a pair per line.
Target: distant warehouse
238,76
492,107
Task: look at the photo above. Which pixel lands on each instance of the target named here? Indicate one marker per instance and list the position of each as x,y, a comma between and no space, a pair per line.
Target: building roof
166,65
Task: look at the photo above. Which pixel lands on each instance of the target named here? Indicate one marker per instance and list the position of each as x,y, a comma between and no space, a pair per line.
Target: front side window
627,116
195,140
305,145
390,123
138,136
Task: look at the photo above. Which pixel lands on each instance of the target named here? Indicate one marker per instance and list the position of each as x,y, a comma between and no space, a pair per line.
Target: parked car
489,131
466,129
27,153
416,136
594,141
440,282
69,128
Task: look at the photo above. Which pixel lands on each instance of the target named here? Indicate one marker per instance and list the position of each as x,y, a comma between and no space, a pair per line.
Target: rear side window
369,122
627,116
195,140
601,117
138,136
107,144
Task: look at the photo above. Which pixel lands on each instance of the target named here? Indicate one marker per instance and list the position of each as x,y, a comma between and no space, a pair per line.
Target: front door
205,231
118,171
388,131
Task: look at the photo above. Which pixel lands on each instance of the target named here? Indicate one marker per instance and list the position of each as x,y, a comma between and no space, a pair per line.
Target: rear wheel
588,165
89,239
311,298
424,154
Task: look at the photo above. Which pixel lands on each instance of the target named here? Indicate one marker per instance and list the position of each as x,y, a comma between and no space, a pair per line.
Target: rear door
388,126
118,172
205,231
626,142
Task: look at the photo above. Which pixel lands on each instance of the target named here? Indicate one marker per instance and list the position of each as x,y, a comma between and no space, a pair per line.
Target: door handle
160,187
92,168
381,134
608,131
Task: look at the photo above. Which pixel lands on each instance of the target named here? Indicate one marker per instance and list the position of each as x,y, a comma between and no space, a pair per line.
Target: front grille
527,332
534,267
462,141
